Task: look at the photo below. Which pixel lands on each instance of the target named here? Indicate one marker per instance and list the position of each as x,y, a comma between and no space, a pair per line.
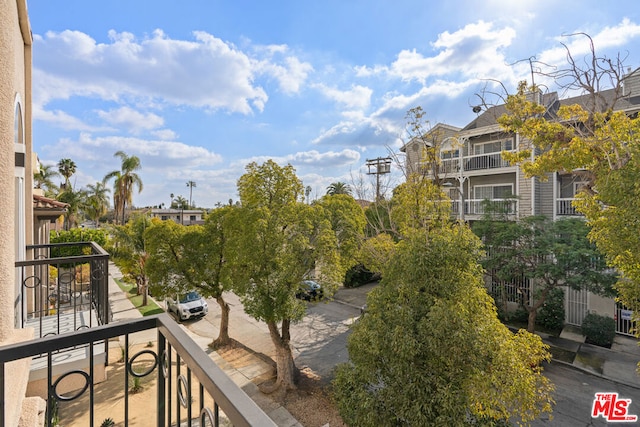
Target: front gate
577,306
624,324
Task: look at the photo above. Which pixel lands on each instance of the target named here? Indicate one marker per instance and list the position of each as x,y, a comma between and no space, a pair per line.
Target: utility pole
377,167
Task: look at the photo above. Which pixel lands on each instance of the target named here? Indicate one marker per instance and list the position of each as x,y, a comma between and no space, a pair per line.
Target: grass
131,292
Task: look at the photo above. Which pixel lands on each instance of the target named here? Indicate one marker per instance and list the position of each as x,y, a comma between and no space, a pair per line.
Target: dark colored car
309,290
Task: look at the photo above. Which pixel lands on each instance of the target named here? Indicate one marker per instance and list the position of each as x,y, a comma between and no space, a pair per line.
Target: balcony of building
81,363
189,389
566,187
451,165
475,209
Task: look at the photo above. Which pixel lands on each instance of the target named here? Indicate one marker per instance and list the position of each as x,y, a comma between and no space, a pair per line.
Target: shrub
358,275
551,315
599,330
519,316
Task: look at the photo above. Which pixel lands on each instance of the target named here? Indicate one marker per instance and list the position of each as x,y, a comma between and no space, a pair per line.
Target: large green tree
347,220
184,258
547,254
430,349
129,252
125,180
278,241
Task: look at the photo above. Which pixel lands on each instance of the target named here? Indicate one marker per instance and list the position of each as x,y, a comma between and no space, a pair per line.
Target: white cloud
166,134
308,159
358,96
205,72
291,75
314,158
161,152
607,38
132,120
475,51
63,120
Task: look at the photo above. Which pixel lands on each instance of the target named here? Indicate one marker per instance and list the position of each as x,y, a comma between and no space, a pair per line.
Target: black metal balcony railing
190,389
63,287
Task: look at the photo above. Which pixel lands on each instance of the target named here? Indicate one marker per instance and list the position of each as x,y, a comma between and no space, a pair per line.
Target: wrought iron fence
190,388
63,287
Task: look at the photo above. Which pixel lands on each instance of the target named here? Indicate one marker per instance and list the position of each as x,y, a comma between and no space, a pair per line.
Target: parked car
188,306
309,290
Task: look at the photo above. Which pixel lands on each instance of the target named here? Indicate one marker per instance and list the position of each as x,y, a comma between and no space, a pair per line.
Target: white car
188,306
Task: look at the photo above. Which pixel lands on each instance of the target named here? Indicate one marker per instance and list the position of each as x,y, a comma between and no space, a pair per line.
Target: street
319,342
575,392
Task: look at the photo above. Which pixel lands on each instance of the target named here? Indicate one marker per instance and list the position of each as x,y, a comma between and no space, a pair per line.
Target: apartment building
470,167
179,216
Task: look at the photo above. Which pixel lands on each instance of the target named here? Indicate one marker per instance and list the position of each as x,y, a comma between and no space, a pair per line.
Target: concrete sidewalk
618,364
248,369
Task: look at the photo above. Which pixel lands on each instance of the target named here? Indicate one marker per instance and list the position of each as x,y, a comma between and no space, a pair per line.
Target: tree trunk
285,366
531,320
223,335
533,310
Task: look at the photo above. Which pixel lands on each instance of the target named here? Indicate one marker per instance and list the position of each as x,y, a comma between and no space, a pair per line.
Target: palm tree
43,179
66,167
338,188
180,203
124,181
190,184
76,201
97,201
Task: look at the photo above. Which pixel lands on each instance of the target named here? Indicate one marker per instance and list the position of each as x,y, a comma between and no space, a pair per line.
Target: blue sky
197,89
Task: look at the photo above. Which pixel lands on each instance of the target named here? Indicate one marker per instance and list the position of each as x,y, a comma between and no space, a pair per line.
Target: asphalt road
575,392
319,342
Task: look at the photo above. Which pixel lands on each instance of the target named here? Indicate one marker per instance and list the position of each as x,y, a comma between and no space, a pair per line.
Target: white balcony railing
473,163
478,206
564,207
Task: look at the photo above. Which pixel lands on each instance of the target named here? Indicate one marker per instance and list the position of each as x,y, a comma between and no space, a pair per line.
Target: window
450,154
499,191
493,147
578,185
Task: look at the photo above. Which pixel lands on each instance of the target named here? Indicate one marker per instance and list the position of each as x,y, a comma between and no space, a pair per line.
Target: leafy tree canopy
277,241
431,351
549,254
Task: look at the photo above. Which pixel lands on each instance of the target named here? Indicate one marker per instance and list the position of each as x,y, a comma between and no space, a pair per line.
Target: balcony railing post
162,381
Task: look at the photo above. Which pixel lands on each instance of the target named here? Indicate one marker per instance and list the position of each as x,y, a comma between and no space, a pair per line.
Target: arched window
19,148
